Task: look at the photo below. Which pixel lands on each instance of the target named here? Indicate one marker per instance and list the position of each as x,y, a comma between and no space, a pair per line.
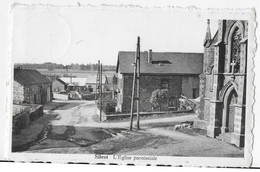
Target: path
82,116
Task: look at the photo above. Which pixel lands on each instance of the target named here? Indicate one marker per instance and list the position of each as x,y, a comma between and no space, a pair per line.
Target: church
223,82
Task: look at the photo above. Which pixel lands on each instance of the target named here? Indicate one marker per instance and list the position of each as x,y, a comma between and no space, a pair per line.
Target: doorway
230,117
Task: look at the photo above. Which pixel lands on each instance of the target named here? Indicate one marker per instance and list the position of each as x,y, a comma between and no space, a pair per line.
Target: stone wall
149,83
22,119
61,96
208,59
58,86
37,94
18,93
190,86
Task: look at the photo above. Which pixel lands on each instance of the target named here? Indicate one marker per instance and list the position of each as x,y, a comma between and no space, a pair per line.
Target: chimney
149,59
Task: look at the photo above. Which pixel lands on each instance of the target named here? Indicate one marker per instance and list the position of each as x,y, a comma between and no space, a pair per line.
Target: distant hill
72,66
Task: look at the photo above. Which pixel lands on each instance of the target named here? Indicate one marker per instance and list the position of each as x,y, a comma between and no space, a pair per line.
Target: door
232,100
34,99
48,94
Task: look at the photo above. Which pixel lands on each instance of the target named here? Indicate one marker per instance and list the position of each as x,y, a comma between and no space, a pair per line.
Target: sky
85,35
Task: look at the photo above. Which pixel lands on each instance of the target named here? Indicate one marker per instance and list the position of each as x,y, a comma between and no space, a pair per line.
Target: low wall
89,96
17,108
23,119
201,124
60,96
143,114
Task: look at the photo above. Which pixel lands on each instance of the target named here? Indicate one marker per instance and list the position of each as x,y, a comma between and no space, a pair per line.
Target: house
223,82
92,82
176,72
30,86
74,83
83,84
59,85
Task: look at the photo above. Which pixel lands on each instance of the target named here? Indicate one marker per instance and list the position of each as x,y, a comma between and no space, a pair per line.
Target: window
211,79
235,51
165,84
27,95
195,93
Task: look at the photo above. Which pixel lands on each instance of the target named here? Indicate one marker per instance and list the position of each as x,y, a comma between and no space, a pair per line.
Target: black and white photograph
131,85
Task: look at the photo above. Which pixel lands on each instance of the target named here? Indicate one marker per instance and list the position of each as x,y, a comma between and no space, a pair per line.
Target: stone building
30,86
176,72
223,82
59,85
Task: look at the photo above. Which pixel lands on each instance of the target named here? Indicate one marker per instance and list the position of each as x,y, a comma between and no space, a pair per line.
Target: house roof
81,81
74,81
61,81
93,79
29,77
173,63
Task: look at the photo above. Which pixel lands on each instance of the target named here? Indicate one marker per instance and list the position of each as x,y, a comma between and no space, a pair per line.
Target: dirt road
84,114
74,128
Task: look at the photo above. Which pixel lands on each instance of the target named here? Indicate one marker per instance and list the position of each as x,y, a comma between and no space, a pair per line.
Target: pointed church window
235,51
211,79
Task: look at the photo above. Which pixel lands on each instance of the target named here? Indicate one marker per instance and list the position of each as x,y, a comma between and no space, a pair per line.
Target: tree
158,97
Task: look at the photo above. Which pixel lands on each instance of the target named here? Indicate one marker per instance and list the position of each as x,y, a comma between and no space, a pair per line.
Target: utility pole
100,97
136,77
138,84
97,80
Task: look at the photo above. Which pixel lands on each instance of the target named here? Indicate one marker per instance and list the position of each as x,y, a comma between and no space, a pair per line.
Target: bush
108,104
90,89
158,98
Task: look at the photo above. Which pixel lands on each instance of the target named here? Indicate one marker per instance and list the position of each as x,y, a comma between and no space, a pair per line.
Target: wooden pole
138,84
100,88
97,80
133,89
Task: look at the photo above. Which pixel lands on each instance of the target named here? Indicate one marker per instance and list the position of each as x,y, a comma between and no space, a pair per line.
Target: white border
191,162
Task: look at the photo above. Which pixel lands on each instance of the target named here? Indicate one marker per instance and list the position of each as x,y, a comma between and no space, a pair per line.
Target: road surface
74,128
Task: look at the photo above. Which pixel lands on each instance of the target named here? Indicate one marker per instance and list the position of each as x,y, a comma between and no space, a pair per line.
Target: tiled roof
82,81
29,77
177,63
75,81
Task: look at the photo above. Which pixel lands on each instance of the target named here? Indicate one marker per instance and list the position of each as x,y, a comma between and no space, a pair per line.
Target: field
75,73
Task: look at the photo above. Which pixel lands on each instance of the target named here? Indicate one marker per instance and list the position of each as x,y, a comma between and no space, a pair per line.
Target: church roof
208,34
213,40
162,63
29,77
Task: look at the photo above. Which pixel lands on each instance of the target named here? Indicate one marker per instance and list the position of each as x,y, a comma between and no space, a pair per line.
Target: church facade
223,82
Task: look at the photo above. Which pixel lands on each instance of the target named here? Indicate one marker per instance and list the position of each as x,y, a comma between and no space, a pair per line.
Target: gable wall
57,86
149,83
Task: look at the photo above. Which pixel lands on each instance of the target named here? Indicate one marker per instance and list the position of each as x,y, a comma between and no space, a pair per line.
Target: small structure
74,83
176,72
91,83
30,86
76,88
59,85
